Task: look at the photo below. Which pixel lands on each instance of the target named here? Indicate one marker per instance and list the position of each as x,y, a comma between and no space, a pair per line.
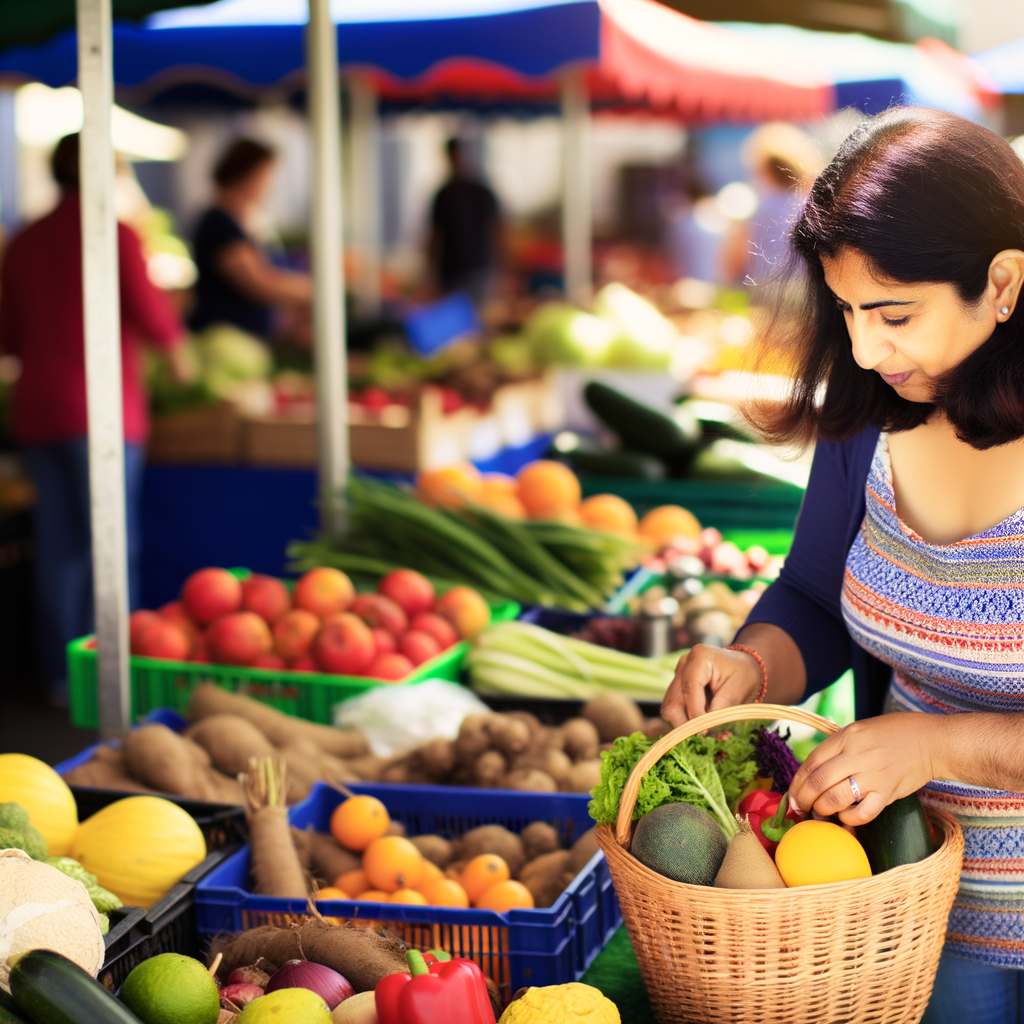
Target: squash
44,794
138,848
41,907
561,1004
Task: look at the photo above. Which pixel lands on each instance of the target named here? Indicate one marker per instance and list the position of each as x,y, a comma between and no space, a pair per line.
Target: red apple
269,659
210,593
390,667
323,591
200,650
378,611
344,645
418,647
439,628
466,610
137,622
304,663
266,596
174,611
385,641
162,639
412,592
294,632
239,638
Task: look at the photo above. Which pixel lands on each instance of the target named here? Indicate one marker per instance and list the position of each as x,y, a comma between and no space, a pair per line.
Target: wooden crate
208,435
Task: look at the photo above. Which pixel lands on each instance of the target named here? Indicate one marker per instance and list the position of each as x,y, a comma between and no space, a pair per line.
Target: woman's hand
890,757
709,678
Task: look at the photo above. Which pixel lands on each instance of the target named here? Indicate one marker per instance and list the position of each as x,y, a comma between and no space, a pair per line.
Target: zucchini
899,835
51,989
9,1010
640,427
623,464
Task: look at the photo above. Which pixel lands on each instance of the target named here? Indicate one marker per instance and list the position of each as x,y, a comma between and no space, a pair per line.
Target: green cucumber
631,465
899,835
640,427
51,989
9,1010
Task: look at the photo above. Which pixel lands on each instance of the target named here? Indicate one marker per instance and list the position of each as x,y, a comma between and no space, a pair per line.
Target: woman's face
911,334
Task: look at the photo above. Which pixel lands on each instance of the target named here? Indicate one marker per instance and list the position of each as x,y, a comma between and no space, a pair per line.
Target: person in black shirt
464,223
237,284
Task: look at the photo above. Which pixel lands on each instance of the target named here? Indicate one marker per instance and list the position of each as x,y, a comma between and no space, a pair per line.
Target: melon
42,908
681,842
44,794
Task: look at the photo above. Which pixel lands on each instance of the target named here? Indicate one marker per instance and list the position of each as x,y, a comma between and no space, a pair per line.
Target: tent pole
328,269
365,191
576,174
101,301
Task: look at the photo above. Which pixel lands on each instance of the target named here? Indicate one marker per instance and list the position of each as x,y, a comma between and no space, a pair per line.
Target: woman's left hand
890,757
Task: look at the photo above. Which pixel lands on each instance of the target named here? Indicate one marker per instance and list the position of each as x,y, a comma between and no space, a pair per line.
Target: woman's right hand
709,678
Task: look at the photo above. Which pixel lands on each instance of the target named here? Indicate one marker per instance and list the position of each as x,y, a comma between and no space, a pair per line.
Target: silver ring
855,789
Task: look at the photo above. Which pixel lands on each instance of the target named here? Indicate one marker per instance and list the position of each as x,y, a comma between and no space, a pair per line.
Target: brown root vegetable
747,864
655,728
106,770
492,839
614,716
543,876
582,850
539,838
436,759
473,738
532,779
369,767
230,741
274,860
301,841
360,954
533,723
396,828
581,739
509,735
226,1017
397,771
491,769
282,730
552,762
327,859
436,849
583,776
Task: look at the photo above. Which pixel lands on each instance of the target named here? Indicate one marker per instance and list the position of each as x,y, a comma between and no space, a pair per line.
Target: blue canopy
1005,64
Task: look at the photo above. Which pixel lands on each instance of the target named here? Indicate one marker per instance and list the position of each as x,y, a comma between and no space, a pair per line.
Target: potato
358,1009
552,762
543,876
532,721
655,727
436,849
532,779
546,737
581,739
396,828
583,776
539,838
509,735
473,738
614,716
582,850
490,771
492,839
436,758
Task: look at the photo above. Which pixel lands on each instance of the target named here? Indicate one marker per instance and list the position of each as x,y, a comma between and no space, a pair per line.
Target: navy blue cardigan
805,599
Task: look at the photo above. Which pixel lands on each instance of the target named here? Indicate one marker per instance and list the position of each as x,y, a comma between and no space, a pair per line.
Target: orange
353,882
358,821
548,490
662,525
332,892
430,874
451,485
392,863
408,896
499,494
481,873
506,896
445,892
374,896
609,513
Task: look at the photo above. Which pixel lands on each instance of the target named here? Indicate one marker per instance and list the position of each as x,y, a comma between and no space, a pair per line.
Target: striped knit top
949,619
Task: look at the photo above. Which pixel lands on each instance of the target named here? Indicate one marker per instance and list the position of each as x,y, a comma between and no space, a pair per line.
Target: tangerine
374,896
353,882
506,896
392,863
609,513
548,490
499,494
358,821
430,874
408,896
333,892
664,524
481,873
451,485
445,892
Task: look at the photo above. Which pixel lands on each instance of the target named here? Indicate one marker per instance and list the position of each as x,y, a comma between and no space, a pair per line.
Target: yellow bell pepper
561,1004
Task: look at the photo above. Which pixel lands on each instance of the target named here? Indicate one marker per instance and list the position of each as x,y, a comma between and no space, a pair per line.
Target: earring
1005,310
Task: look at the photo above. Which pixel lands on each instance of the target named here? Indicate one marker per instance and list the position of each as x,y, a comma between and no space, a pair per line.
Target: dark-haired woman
908,560
237,284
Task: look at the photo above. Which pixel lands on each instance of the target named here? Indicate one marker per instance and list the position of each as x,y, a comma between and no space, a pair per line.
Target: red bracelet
763,692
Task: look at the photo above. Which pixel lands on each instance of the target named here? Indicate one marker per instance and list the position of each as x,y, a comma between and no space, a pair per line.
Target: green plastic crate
311,695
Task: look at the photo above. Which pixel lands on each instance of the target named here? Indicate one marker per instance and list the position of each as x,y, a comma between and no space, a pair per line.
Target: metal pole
101,300
364,187
576,186
8,161
328,270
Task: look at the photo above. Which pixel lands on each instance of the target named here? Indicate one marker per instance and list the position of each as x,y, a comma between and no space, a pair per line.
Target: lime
172,989
286,1006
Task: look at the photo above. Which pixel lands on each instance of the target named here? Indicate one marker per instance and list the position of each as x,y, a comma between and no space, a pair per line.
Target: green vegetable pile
18,833
709,772
102,899
534,562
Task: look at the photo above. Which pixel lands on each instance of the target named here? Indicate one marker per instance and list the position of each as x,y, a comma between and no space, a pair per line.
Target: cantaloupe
44,794
681,842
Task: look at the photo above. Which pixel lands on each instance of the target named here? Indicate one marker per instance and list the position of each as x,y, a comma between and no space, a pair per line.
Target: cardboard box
208,435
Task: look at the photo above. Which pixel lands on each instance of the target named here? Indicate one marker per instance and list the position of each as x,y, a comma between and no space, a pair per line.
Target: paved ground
30,727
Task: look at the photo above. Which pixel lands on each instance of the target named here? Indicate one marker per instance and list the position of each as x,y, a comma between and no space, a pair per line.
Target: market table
616,973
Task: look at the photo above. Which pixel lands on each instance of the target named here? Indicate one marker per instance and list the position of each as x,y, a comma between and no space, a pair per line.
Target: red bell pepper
761,808
439,993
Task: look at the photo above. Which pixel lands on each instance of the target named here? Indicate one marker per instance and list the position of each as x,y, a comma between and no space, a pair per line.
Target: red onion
329,985
237,996
251,975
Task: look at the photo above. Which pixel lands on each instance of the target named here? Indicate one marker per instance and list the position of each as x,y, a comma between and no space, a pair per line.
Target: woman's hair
240,159
64,162
924,195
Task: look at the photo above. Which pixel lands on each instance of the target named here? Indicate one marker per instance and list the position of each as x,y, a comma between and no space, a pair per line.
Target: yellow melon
44,794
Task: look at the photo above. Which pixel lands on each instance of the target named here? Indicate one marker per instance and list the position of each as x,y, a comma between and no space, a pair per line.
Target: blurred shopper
237,283
41,322
464,221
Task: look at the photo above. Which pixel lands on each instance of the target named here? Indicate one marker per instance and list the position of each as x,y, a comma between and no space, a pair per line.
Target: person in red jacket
41,322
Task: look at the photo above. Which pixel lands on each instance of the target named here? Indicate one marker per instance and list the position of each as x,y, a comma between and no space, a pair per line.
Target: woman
908,561
237,284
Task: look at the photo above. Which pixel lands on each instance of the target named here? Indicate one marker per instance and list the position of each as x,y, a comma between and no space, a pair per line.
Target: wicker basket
858,952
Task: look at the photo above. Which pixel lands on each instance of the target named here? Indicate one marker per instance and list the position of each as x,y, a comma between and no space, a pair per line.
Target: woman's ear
1005,280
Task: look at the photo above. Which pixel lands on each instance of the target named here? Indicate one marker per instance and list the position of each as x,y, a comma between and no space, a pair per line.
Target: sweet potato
230,740
539,838
105,772
328,860
492,839
281,729
543,876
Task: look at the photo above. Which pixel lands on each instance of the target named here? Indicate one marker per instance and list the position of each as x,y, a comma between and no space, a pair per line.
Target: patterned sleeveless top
949,619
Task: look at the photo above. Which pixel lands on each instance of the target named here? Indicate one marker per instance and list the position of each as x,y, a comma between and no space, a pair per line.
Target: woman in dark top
908,560
237,284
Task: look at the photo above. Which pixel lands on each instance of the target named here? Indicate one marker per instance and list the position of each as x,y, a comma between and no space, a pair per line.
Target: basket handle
723,716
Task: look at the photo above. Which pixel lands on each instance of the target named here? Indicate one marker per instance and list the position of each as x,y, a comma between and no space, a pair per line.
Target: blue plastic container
522,947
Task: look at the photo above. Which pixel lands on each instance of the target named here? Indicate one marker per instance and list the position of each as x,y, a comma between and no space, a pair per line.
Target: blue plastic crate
523,947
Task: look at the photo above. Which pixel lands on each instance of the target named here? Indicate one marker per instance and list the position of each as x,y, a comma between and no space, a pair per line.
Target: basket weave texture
857,952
